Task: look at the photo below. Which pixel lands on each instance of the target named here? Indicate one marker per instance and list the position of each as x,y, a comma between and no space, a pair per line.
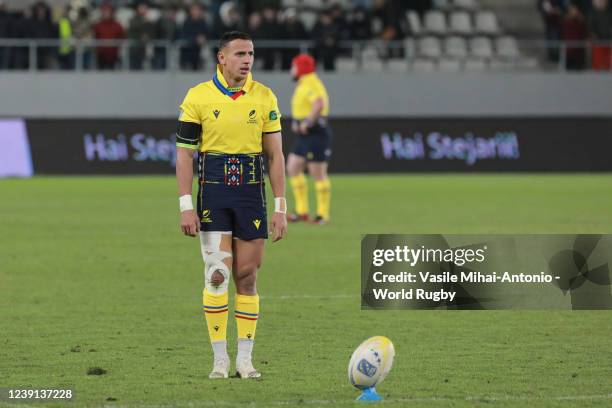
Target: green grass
98,265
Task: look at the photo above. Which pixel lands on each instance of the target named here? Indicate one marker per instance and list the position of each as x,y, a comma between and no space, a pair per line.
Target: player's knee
217,278
216,272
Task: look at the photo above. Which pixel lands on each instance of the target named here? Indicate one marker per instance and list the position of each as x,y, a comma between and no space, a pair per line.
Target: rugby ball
371,362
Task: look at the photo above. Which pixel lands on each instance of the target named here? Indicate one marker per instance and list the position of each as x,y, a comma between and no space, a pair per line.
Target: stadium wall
124,123
150,95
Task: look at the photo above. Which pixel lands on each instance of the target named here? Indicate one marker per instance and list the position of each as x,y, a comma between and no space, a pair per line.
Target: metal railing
81,55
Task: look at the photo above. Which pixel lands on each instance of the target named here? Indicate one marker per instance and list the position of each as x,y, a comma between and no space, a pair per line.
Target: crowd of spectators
192,25
570,24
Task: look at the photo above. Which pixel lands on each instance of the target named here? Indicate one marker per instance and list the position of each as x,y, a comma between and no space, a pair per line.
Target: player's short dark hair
230,36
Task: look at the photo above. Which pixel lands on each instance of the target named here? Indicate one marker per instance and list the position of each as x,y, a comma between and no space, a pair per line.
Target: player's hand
190,224
303,127
295,127
278,226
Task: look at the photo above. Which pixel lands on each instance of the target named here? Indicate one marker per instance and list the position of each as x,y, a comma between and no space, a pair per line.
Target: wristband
280,205
185,203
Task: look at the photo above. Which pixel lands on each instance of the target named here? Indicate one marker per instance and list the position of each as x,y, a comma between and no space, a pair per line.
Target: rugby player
309,108
231,121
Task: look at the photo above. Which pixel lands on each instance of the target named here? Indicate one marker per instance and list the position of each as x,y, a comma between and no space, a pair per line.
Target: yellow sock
215,310
323,189
300,193
247,312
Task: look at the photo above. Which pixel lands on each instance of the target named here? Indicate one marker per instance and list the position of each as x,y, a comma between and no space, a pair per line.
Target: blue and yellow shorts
231,194
315,146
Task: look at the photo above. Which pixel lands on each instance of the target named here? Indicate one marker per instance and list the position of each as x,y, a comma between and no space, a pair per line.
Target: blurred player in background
309,108
231,120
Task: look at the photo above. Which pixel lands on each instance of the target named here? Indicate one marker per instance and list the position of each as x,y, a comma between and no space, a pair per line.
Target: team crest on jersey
252,117
257,223
216,112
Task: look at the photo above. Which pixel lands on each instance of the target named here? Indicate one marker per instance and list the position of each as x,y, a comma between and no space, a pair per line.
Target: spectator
108,28
552,12
339,18
359,27
194,33
574,32
229,19
600,30
82,33
326,37
420,6
19,57
167,31
5,33
140,33
269,29
66,50
40,26
295,31
389,19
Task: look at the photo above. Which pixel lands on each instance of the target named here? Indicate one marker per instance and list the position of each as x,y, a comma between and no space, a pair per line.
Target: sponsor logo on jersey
273,115
257,223
216,112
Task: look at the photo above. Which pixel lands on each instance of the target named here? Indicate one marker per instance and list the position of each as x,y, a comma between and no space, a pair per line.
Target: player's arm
187,140
314,115
273,147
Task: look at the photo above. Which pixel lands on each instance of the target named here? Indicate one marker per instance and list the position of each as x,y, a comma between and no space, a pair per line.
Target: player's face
237,58
293,72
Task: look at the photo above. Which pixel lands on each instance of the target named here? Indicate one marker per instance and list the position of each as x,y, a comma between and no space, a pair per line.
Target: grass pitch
94,273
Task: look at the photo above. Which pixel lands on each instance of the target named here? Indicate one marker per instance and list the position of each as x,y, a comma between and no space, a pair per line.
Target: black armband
188,134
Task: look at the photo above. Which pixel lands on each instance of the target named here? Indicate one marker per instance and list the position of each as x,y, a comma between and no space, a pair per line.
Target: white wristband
280,205
185,203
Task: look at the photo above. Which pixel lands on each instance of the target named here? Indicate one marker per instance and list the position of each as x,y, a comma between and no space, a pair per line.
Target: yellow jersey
232,122
309,88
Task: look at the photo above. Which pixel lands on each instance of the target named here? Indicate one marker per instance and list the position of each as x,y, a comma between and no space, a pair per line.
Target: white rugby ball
371,362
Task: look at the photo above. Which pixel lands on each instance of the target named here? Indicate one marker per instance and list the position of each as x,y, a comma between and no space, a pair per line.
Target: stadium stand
345,35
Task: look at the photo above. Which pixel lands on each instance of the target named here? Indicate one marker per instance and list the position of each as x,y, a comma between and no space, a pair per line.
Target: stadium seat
154,14
181,16
414,22
486,23
455,47
346,65
449,65
507,47
472,64
124,16
441,4
308,18
501,65
372,65
369,52
465,4
460,23
397,65
435,22
290,3
312,4
481,47
528,63
429,47
410,47
423,65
